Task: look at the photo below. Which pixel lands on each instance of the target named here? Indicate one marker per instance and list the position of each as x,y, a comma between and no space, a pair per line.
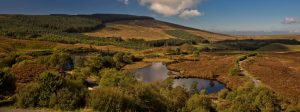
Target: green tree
94,62
115,78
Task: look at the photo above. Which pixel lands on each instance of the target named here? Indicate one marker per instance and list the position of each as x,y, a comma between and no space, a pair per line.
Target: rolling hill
127,31
151,30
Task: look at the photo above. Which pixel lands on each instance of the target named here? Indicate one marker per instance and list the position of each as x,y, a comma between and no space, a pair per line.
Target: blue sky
231,16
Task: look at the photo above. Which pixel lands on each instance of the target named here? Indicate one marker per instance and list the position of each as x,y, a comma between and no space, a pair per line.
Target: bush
111,100
8,60
52,90
61,60
67,99
51,82
7,82
175,98
199,103
252,99
235,71
27,71
29,97
114,78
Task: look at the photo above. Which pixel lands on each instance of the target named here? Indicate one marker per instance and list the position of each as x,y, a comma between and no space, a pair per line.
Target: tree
115,78
94,62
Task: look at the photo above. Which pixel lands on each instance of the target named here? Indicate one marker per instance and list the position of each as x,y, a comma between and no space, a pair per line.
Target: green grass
186,36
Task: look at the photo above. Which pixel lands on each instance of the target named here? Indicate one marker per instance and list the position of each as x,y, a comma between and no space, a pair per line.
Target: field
151,30
278,71
211,66
276,47
137,29
18,45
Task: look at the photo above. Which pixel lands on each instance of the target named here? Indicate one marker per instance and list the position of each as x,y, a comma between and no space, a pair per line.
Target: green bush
235,71
199,103
111,100
249,98
29,97
52,90
8,60
60,60
115,78
67,99
51,82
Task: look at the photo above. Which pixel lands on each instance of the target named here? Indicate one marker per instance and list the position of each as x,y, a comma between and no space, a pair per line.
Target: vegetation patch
281,72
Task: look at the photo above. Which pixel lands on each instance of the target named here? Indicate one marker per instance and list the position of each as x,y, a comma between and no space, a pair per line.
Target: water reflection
209,85
159,72
155,72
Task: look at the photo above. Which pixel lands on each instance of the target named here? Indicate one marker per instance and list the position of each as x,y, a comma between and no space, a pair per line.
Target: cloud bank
180,8
290,20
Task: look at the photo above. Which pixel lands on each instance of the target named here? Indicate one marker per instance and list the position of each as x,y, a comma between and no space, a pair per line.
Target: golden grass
136,65
287,36
18,45
279,71
136,29
212,67
213,36
276,47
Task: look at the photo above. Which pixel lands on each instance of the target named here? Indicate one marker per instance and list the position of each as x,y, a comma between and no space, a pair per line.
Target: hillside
127,31
148,29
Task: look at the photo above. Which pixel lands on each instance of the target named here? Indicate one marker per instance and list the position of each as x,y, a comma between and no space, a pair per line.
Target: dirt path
244,72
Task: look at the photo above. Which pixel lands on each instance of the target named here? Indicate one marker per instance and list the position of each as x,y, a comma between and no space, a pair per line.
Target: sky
227,16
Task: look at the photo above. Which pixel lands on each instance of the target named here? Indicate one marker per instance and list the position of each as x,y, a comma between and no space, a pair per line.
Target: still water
159,72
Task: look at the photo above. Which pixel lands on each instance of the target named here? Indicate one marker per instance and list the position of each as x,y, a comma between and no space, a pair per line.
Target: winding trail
244,72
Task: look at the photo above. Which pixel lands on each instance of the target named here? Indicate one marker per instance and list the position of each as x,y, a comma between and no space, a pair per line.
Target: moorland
64,62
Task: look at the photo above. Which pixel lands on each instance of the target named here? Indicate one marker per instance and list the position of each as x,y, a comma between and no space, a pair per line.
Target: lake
158,72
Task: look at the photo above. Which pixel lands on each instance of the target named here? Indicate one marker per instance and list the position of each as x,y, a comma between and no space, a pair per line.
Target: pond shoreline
158,71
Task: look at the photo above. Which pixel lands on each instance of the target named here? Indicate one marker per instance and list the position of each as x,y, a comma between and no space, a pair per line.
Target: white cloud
190,13
290,20
181,8
126,2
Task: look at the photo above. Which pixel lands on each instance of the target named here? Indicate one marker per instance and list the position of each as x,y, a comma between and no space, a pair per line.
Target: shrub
27,71
252,99
7,82
94,62
8,60
29,96
235,71
67,99
111,100
60,60
149,99
51,82
52,90
175,98
114,78
199,103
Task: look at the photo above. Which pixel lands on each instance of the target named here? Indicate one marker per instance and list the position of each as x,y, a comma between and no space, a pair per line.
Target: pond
159,72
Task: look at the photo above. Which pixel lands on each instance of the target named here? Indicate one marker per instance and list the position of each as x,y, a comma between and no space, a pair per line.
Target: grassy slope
276,47
151,30
23,46
279,71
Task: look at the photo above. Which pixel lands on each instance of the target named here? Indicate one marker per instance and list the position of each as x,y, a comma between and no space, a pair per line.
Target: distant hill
151,29
57,27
